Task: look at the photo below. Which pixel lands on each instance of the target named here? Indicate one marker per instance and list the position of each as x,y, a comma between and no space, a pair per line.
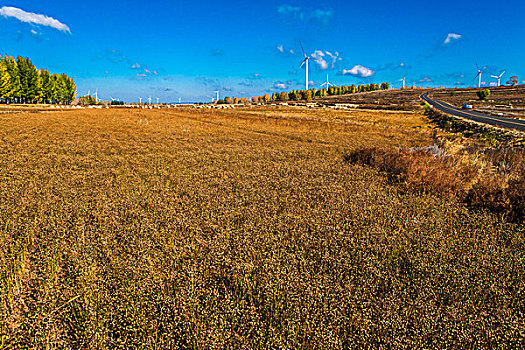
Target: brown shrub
494,179
419,168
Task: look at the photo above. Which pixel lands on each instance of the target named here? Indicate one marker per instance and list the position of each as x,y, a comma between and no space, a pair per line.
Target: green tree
5,80
14,86
47,86
483,94
70,89
28,76
283,96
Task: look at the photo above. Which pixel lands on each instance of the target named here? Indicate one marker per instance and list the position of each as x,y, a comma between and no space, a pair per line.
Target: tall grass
231,230
492,179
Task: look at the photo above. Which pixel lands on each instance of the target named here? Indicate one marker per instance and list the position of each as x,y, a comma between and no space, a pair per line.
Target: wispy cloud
322,15
298,13
326,59
33,18
425,80
283,51
359,71
291,11
452,37
318,57
280,85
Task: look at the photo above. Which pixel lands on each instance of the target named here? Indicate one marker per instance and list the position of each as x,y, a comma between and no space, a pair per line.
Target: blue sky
188,49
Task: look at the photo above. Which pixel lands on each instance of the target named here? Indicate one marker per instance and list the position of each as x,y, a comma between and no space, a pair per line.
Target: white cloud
425,80
281,86
280,48
335,57
451,37
318,58
359,71
135,66
33,18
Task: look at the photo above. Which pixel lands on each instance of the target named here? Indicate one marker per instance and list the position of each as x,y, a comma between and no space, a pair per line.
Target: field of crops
241,229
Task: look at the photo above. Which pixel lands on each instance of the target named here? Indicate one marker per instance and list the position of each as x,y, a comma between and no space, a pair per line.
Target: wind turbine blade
494,76
302,64
302,48
502,74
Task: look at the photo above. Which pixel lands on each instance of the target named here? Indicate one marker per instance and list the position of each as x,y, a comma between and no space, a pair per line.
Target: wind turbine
140,100
113,99
498,77
305,62
180,99
96,95
328,84
149,100
158,100
403,80
480,72
217,92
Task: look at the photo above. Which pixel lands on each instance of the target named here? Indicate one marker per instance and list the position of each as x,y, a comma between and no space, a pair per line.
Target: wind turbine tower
158,100
140,100
149,100
403,80
305,63
217,92
498,77
328,84
480,72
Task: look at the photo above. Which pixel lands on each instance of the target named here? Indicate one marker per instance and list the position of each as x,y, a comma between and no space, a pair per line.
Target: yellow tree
5,80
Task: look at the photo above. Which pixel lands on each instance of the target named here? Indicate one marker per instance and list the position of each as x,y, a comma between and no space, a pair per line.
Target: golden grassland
241,229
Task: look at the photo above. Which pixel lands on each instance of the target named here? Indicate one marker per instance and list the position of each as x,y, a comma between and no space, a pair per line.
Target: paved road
508,123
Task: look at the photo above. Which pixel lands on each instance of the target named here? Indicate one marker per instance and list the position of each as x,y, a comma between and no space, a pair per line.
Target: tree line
307,95
22,82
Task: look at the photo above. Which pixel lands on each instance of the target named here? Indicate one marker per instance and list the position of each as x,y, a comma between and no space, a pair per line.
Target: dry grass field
397,100
504,100
241,229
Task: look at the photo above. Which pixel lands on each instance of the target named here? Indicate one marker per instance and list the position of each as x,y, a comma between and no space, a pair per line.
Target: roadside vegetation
245,229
